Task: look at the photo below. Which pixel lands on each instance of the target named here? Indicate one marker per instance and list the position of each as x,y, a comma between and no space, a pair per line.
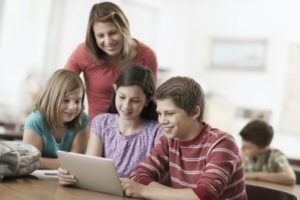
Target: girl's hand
65,178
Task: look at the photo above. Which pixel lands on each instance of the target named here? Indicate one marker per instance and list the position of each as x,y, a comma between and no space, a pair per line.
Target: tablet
92,173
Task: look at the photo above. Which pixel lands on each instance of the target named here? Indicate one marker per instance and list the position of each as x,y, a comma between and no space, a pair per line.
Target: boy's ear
115,87
196,113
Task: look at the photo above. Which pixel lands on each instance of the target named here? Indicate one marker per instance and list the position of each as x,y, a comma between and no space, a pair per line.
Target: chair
255,192
297,177
295,163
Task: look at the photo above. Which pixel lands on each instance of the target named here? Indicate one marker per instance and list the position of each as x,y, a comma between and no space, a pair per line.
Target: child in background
58,121
130,129
261,161
203,162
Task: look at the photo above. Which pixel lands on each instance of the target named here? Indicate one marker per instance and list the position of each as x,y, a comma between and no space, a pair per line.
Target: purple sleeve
97,125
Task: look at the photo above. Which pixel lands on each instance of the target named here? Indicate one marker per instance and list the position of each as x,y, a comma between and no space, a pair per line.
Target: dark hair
107,12
143,77
257,132
185,92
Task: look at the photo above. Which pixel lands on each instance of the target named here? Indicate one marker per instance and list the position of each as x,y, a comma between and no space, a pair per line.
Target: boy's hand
132,188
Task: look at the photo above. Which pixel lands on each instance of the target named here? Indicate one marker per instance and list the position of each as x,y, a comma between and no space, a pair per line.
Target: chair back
296,166
255,192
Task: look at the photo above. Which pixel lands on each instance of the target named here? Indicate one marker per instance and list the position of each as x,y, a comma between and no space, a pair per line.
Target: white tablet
93,173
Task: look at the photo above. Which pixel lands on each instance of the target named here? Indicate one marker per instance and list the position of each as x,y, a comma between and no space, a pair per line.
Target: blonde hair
52,96
108,12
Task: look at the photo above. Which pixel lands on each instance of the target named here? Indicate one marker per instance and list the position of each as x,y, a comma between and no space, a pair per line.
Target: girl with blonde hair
58,121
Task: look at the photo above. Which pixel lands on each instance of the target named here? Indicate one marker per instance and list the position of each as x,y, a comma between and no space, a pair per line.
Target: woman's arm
30,137
79,58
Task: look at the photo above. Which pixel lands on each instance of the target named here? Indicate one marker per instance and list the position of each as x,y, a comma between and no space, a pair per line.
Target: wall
22,42
272,20
184,40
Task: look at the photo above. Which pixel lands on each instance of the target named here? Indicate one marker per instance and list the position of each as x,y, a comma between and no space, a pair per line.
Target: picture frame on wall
238,54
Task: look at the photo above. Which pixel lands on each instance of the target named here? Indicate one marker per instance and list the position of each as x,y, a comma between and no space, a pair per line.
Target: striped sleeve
155,166
223,170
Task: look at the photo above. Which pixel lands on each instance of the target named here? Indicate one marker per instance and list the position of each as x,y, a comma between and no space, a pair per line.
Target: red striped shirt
210,164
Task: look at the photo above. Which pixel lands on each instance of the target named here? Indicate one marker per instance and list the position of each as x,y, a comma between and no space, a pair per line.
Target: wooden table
295,190
27,188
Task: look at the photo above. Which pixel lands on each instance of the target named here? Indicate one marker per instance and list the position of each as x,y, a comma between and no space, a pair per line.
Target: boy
203,162
262,162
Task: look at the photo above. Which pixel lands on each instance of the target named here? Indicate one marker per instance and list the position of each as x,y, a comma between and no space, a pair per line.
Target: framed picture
241,54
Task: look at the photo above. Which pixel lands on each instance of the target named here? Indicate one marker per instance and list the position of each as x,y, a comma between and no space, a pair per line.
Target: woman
107,50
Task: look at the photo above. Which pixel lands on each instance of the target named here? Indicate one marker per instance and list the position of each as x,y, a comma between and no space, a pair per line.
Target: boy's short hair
185,92
258,132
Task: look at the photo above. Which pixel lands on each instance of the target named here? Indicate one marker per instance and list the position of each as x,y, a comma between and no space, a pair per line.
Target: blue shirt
38,124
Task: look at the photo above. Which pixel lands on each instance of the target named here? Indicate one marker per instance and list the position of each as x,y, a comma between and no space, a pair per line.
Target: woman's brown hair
107,12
